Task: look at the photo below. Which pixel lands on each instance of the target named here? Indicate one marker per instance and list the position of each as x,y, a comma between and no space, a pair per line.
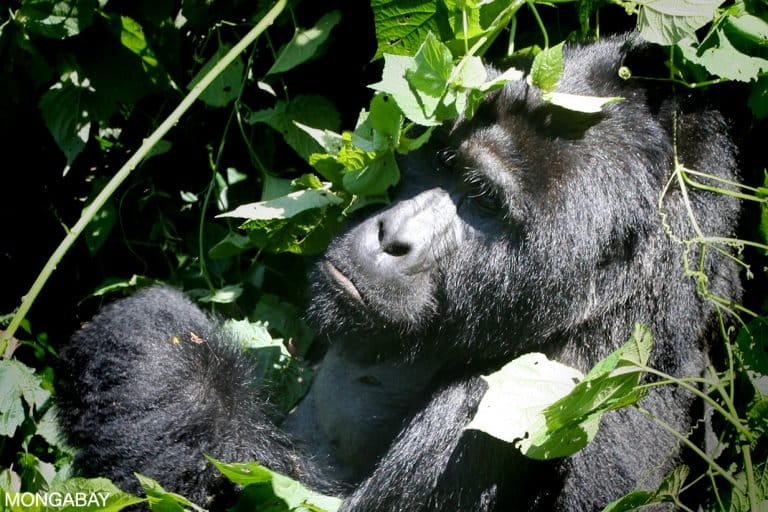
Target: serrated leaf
57,19
285,207
547,68
401,27
721,58
666,22
304,44
226,87
578,103
307,233
374,178
17,382
314,111
394,82
432,67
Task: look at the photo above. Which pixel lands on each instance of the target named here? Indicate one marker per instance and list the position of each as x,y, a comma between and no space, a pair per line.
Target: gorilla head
527,224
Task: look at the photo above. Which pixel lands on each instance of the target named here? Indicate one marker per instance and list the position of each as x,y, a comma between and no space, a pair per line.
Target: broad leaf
304,44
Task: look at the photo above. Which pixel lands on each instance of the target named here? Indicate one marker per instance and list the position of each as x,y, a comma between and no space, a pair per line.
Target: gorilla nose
390,243
409,236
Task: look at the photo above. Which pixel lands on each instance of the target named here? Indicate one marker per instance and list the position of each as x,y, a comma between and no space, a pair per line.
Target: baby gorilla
526,228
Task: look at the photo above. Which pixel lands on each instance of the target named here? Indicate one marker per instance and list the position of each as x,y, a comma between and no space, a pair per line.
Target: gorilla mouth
342,280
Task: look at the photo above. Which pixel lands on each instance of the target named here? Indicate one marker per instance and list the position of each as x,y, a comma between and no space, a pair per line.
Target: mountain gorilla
526,228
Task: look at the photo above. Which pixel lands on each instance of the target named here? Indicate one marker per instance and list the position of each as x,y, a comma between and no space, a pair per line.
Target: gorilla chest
353,411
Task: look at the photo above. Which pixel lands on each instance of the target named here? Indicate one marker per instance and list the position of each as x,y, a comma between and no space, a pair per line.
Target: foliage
267,165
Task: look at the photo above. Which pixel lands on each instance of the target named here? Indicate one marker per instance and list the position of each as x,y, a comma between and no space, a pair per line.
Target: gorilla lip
342,280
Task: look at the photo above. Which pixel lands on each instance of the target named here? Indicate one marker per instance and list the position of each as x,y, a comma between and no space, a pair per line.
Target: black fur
526,228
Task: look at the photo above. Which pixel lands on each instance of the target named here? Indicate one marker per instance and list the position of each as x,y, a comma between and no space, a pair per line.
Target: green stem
734,420
92,209
751,484
687,442
539,21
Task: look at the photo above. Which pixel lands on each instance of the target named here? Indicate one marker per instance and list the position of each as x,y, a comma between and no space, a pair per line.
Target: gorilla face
512,227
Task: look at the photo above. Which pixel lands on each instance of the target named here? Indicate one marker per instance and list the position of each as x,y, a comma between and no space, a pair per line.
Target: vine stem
90,211
712,464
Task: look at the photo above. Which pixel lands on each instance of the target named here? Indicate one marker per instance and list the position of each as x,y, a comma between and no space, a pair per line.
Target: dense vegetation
162,144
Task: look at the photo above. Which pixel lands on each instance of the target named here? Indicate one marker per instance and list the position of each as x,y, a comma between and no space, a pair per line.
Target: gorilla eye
481,194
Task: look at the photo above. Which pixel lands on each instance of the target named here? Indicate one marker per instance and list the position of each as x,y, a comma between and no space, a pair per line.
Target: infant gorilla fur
526,228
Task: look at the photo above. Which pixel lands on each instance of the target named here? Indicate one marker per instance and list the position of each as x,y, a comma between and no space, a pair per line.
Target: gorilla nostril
396,248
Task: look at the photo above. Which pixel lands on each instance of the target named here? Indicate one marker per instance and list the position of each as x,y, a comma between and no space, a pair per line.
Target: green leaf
721,58
231,245
304,44
547,68
225,295
17,382
402,25
631,502
385,117
329,140
67,111
668,491
100,495
533,402
307,233
286,319
415,106
243,473
35,473
226,87
666,22
285,207
292,493
131,36
578,103
748,31
432,67
517,395
758,103
253,335
114,284
752,341
97,231
472,74
374,178
737,501
57,19
314,111
161,500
